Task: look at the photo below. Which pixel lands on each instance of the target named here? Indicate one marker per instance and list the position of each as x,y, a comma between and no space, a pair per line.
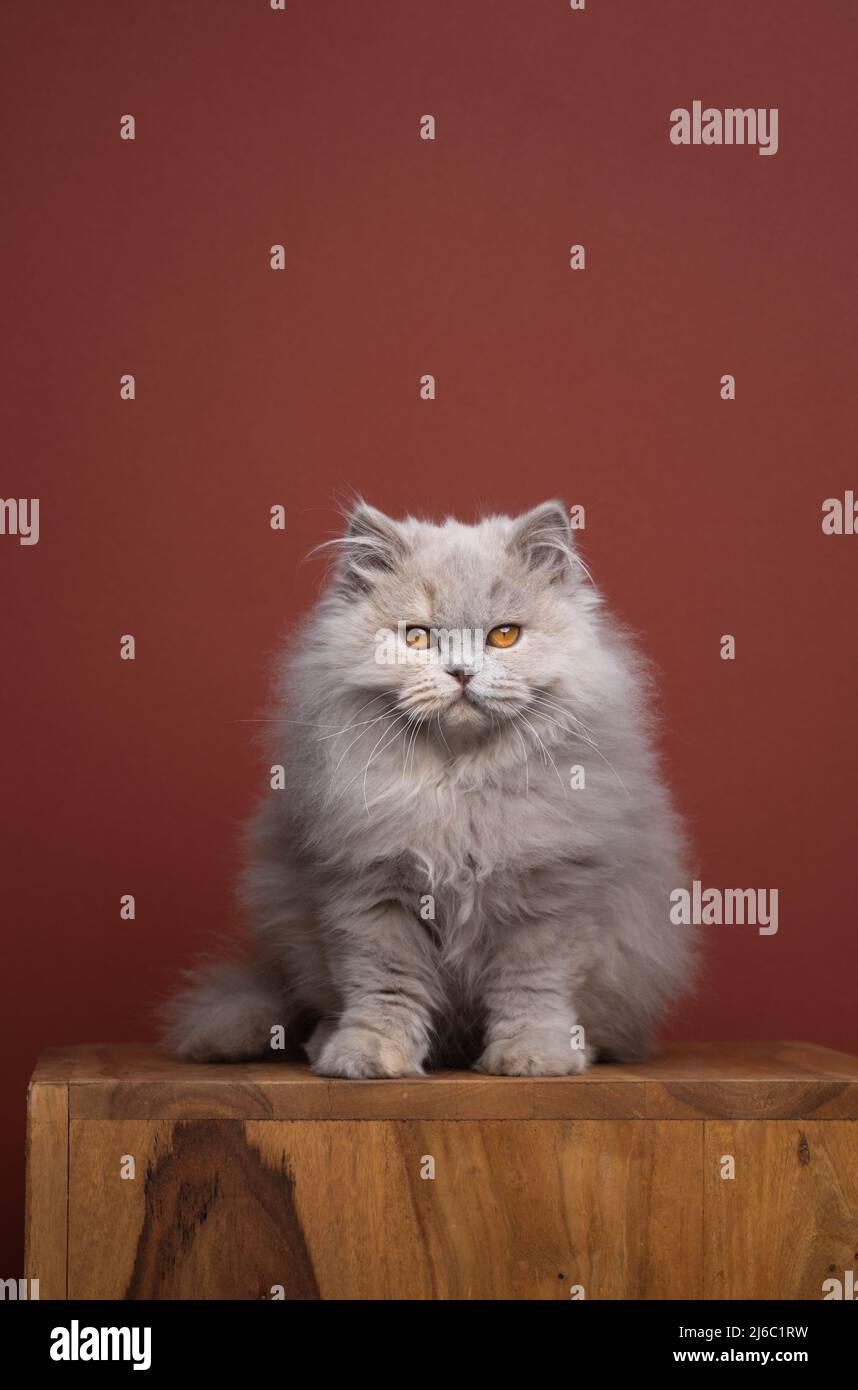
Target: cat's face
462,629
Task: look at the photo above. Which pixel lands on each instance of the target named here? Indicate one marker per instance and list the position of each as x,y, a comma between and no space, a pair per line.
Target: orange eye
504,636
417,637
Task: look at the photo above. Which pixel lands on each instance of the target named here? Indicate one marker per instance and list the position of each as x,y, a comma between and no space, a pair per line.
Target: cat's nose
460,674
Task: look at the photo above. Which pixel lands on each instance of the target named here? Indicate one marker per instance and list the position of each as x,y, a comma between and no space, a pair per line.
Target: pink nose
461,675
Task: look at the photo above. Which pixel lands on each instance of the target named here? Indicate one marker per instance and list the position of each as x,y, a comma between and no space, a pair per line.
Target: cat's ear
543,539
372,545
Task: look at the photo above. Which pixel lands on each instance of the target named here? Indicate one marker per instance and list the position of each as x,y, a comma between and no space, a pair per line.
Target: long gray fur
433,886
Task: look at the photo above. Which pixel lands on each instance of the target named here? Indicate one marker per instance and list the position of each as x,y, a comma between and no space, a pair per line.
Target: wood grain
338,1209
789,1218
46,1190
750,1080
753,1081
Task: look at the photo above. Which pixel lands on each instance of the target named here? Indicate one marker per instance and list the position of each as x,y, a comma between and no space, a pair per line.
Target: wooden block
264,1177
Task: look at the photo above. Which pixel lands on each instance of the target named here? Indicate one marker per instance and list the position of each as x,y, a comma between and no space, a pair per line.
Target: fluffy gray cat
471,859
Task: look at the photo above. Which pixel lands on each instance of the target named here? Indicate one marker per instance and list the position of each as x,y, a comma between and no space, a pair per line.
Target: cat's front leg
384,976
531,1024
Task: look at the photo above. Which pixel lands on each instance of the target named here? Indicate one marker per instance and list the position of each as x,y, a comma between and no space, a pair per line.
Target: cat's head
469,629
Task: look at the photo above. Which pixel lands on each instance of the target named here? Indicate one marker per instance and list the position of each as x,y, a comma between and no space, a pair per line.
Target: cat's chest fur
465,838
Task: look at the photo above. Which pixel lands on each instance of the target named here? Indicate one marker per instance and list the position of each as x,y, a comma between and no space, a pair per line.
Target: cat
471,858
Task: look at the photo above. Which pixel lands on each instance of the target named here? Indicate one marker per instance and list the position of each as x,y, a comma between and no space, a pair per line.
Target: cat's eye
417,637
504,636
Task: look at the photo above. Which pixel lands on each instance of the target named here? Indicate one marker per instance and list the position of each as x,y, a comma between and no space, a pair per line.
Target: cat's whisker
563,710
351,745
550,718
540,745
514,719
276,719
424,718
421,719
354,724
414,720
361,723
545,752
408,724
385,735
561,716
591,743
540,705
355,740
580,563
410,730
310,723
441,732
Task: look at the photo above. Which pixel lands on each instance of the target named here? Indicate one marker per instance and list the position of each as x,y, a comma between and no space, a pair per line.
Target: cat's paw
359,1052
533,1054
323,1030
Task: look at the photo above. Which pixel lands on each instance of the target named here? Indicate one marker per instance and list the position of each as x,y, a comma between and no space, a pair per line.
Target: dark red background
255,387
